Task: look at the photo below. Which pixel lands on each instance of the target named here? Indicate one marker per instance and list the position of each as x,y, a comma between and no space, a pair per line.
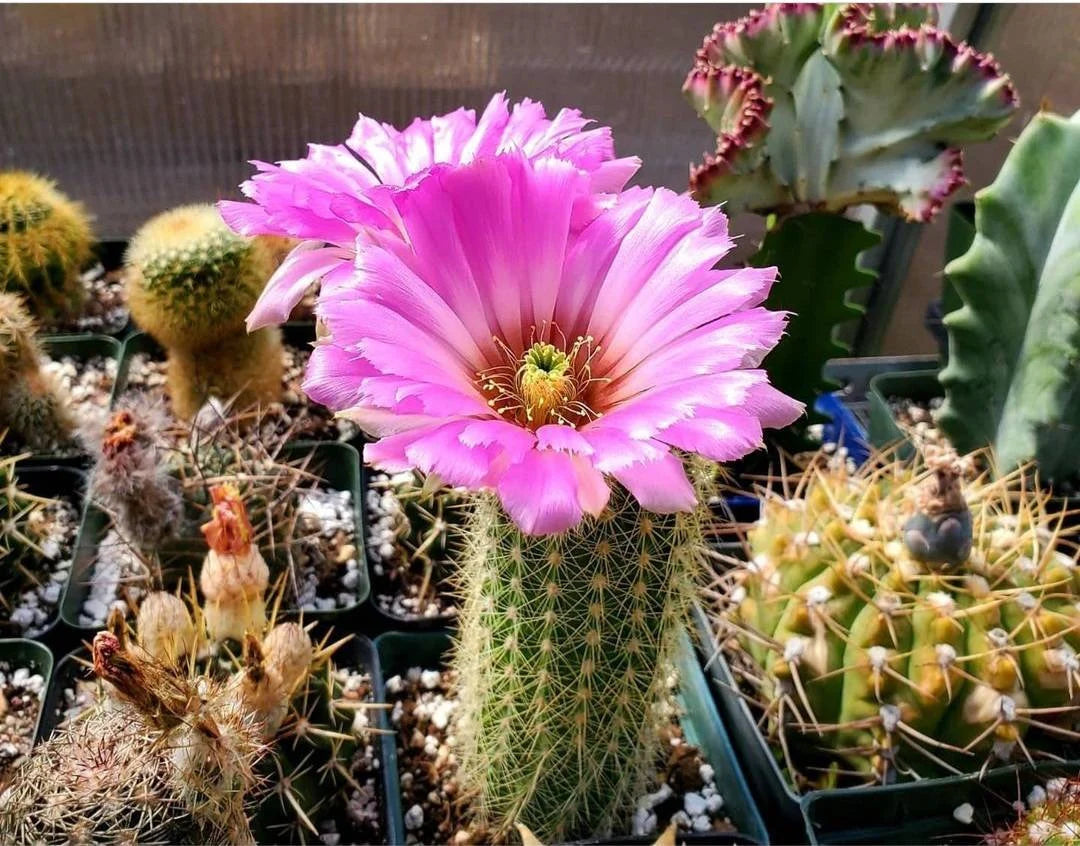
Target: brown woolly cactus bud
234,576
164,627
940,530
131,474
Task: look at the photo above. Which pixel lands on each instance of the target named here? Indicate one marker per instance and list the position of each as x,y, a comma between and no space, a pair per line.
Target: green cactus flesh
820,107
45,240
888,665
191,280
1014,344
565,645
31,405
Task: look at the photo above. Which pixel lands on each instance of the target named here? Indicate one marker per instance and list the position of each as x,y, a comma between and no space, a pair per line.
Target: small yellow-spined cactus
234,576
164,628
1051,819
191,282
32,406
45,240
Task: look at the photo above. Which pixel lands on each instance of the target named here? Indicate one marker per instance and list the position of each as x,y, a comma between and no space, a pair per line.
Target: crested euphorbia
329,198
234,576
820,107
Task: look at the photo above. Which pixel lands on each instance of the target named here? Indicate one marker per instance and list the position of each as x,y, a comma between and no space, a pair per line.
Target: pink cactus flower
330,197
491,341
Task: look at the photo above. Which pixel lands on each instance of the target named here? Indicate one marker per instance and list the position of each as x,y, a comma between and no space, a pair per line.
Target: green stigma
544,380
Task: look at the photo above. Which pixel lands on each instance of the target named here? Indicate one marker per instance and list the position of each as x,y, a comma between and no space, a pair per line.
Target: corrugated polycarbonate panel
137,108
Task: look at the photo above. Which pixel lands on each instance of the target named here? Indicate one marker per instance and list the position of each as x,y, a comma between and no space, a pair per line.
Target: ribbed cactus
565,647
45,240
132,478
908,620
822,106
1014,345
191,283
1052,819
32,406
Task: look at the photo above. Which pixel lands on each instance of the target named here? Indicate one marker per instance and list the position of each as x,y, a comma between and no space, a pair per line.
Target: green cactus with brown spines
864,630
45,240
191,283
565,647
31,404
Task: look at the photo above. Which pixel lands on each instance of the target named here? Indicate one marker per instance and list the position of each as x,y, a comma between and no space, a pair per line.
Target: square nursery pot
909,812
53,481
336,464
358,653
918,385
79,347
928,811
398,651
38,659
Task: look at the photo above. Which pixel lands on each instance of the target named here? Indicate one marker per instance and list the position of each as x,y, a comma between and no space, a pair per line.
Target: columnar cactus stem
565,649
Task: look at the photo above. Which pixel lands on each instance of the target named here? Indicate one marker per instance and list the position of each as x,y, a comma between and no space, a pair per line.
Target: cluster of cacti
191,283
1052,818
825,106
45,240
32,406
907,618
565,647
133,478
1015,342
23,525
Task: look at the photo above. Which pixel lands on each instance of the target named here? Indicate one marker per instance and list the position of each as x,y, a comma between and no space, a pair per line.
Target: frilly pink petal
302,268
660,486
543,493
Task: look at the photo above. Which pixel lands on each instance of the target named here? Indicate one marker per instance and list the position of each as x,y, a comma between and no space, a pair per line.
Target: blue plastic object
843,427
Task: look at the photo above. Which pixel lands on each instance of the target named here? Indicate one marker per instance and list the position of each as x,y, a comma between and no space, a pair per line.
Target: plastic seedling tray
398,651
336,464
54,481
919,385
78,347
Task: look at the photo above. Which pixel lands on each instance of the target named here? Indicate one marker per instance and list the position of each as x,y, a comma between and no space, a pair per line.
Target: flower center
545,384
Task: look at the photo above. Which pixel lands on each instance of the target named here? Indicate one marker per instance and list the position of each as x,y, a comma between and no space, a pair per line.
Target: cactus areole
607,351
901,622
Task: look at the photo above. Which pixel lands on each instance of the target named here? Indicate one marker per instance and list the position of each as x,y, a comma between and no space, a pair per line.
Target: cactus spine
45,240
908,620
191,284
22,526
1053,818
565,646
31,404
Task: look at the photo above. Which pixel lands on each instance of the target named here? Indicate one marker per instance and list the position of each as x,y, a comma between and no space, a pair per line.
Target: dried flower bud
234,576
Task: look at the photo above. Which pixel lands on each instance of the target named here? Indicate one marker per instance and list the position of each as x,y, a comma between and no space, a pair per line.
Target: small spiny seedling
32,406
1052,818
23,524
191,284
904,620
45,241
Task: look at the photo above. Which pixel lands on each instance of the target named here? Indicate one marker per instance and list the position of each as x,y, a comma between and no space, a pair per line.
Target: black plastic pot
338,465
398,651
71,668
909,812
924,812
36,657
53,481
918,385
78,347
